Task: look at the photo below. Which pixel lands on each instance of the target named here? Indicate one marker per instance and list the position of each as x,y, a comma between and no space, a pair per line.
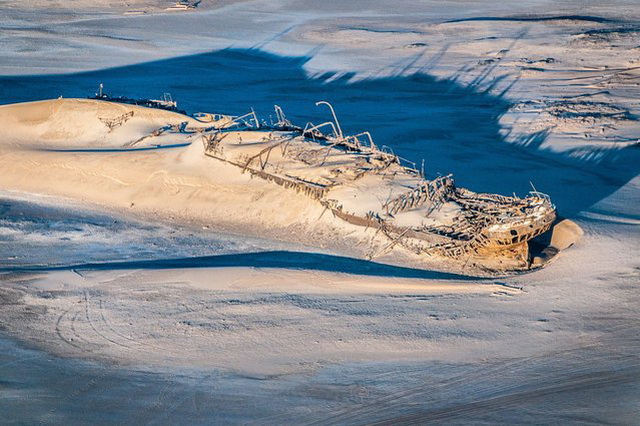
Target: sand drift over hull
368,191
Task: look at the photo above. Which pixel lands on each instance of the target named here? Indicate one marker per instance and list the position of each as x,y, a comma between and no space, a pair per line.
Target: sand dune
80,124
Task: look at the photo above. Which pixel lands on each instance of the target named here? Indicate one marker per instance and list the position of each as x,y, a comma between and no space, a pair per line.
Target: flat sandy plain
110,315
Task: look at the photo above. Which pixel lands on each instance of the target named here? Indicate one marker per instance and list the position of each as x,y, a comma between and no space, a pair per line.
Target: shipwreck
404,217
370,186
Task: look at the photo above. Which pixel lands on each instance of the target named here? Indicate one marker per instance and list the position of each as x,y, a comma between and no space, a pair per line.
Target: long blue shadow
269,259
454,127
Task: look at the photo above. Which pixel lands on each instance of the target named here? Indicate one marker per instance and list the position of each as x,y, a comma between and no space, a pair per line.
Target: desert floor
109,316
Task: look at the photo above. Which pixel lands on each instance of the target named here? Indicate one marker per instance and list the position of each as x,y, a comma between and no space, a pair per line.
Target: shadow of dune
454,127
267,259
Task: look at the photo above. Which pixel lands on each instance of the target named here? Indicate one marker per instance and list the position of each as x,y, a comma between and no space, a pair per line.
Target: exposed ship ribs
436,191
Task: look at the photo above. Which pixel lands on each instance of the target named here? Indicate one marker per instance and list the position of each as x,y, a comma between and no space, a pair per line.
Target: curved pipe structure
334,116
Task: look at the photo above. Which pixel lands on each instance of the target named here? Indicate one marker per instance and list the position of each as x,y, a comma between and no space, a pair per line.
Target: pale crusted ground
562,347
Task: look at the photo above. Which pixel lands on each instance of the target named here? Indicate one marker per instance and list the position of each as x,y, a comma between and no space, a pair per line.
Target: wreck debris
113,123
436,191
166,102
180,128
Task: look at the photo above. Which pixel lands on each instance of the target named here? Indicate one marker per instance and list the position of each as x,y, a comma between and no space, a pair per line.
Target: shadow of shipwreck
452,126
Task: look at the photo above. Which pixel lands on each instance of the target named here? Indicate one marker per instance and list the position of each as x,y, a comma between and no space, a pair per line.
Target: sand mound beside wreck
81,123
